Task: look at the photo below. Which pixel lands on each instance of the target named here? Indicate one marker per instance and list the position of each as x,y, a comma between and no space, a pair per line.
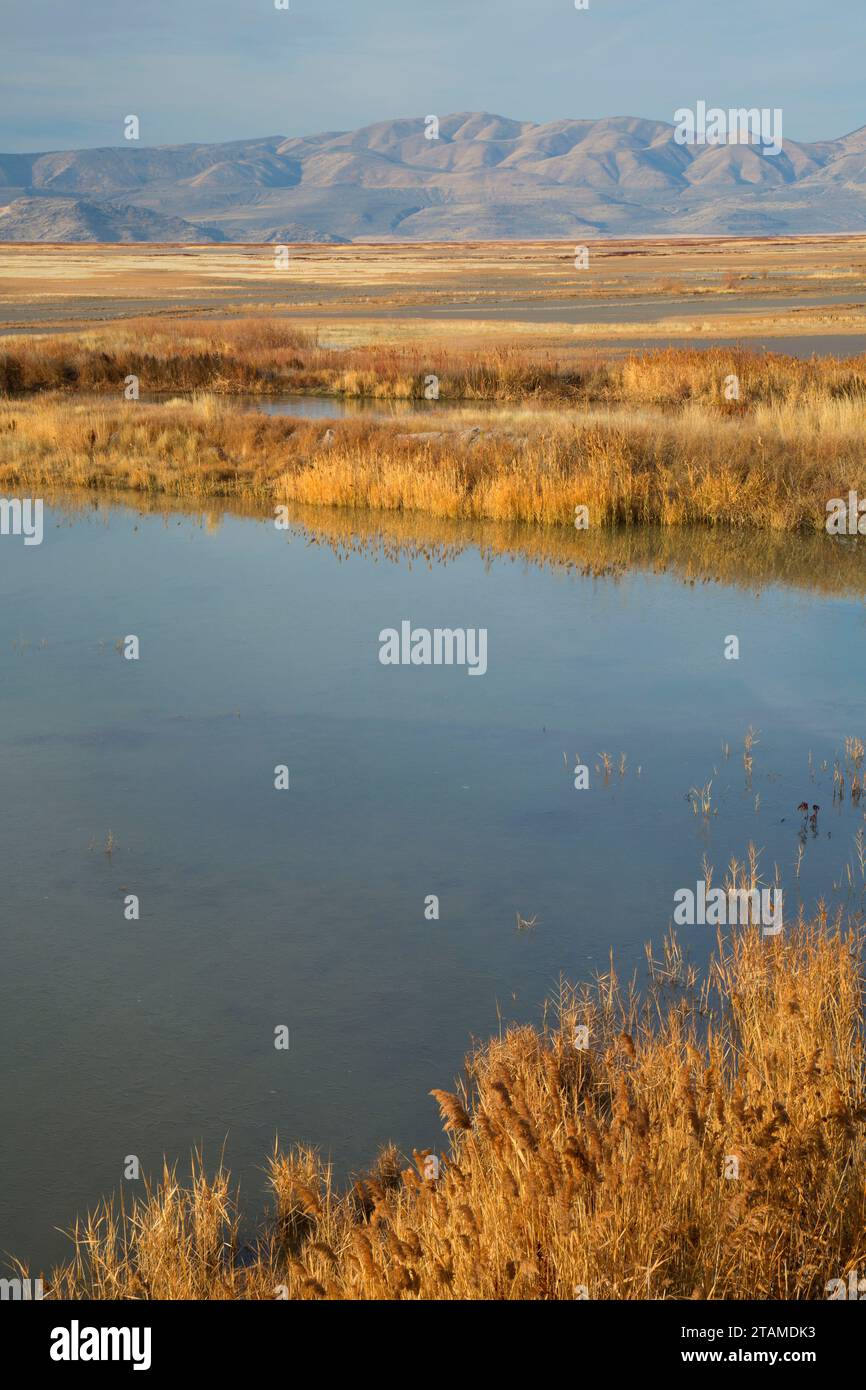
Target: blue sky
232,69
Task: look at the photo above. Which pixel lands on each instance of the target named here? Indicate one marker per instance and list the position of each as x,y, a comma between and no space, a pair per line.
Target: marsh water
305,907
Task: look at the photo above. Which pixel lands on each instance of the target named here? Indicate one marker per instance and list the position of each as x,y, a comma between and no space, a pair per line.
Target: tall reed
702,1139
699,467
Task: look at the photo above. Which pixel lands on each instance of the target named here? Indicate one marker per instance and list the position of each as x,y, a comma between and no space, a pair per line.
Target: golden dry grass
703,1140
773,468
269,356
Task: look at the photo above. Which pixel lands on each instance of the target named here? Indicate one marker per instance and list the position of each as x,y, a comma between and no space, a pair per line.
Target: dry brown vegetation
773,468
574,1171
271,357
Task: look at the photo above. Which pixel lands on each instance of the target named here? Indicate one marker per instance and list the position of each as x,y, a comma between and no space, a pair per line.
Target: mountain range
484,177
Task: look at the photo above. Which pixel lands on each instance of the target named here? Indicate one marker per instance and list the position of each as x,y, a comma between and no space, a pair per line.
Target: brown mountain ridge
485,176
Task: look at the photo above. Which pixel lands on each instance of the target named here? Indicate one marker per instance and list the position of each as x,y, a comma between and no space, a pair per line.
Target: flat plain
806,294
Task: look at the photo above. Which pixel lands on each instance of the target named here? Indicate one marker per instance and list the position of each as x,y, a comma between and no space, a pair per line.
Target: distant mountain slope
73,219
485,176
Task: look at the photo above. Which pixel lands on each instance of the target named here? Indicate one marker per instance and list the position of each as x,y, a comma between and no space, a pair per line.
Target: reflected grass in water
809,561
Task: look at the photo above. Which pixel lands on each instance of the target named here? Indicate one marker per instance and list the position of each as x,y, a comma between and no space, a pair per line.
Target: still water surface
306,907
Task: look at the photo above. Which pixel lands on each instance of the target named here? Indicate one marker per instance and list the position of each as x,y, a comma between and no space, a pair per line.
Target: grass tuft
707,1143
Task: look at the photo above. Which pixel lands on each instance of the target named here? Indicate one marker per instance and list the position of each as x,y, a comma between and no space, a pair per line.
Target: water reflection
751,559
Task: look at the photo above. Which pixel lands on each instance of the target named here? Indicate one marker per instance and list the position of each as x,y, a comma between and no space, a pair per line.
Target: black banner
236,1338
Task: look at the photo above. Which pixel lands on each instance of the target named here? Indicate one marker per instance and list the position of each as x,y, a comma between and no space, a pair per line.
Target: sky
210,70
